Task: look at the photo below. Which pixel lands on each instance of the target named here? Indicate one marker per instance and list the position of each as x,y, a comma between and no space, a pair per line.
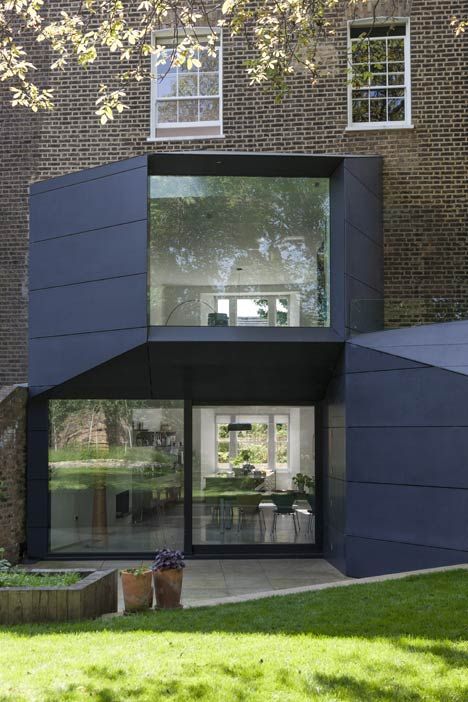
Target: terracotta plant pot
168,587
137,591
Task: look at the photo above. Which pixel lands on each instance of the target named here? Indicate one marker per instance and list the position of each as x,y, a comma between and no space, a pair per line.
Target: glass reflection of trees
233,232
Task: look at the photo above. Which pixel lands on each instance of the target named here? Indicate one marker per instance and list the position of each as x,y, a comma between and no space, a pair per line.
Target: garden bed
95,593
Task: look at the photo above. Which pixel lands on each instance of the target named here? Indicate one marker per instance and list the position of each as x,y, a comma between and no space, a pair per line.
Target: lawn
392,641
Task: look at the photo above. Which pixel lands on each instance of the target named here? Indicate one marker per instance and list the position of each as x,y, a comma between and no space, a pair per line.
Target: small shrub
21,578
4,564
141,570
167,559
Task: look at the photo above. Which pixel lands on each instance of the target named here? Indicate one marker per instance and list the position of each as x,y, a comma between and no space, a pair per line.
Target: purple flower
167,559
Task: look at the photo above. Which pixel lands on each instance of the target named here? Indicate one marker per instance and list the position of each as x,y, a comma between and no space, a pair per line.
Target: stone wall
13,403
425,167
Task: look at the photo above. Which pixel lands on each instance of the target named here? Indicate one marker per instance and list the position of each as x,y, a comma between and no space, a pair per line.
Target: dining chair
284,506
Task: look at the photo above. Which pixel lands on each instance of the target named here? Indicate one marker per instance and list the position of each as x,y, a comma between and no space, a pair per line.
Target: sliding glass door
131,476
116,476
253,476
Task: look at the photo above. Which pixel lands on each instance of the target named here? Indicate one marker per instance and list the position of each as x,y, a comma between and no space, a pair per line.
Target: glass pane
360,51
360,111
188,110
378,51
188,84
116,475
253,475
252,313
209,110
378,79
396,110
396,78
396,49
209,63
396,67
167,87
209,83
167,66
244,239
167,111
378,110
282,306
378,93
360,94
396,92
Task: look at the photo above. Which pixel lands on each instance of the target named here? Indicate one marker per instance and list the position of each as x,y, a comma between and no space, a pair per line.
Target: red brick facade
425,168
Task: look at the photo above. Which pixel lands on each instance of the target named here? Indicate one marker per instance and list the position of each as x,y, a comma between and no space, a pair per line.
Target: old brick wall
13,401
425,168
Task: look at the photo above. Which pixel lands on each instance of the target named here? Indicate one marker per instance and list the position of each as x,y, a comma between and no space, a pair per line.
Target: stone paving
207,581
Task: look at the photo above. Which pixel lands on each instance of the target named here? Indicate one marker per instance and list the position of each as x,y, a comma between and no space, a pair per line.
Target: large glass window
253,475
239,251
115,475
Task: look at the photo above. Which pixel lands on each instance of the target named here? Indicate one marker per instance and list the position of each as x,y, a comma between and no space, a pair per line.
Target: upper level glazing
239,251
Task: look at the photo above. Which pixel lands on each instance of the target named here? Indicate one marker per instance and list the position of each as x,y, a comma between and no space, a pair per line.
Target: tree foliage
283,36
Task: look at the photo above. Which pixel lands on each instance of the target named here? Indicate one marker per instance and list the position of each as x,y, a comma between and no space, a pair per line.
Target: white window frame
210,299
169,34
368,126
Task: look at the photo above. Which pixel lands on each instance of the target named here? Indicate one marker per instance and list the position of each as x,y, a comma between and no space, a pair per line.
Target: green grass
20,579
392,641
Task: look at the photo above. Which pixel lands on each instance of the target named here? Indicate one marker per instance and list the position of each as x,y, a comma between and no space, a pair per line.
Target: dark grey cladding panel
336,508
367,557
364,258
126,376
116,303
449,356
414,397
54,360
447,334
426,516
368,170
89,174
360,359
37,492
363,208
336,452
37,540
335,548
409,455
247,384
365,309
38,415
334,414
107,253
38,453
105,201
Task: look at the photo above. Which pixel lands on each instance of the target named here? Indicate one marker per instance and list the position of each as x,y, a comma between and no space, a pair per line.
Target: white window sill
376,127
195,137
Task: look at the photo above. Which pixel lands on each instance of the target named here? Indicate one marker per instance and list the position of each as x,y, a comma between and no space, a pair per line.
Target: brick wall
12,469
425,168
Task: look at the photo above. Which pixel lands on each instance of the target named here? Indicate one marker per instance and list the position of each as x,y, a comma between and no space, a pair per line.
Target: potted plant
137,588
168,571
303,482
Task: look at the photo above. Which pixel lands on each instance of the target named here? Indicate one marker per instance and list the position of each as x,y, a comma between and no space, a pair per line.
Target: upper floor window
235,250
379,90
186,104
